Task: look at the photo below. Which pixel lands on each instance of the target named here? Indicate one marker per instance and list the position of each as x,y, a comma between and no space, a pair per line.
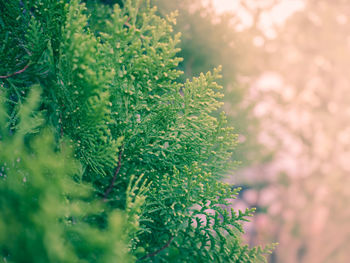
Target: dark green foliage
143,143
43,210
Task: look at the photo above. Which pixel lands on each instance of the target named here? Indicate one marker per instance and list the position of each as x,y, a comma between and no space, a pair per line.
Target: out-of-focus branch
117,170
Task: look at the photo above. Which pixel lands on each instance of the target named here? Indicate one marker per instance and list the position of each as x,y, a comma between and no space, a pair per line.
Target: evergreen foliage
147,151
43,211
209,39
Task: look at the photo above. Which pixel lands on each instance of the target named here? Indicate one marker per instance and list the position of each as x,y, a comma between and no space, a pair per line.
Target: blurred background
286,77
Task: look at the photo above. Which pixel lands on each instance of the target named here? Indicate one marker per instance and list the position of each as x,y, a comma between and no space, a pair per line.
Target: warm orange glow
300,83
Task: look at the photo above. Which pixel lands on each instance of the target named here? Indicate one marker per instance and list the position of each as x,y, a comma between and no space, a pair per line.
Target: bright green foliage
146,144
210,39
82,93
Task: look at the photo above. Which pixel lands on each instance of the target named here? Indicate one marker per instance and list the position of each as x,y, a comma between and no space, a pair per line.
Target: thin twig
157,251
61,122
16,73
127,24
109,189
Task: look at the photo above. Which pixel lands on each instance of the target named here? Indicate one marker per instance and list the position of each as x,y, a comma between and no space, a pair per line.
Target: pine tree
43,210
144,146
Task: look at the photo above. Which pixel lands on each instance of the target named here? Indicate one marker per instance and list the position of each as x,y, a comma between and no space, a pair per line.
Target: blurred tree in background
303,109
